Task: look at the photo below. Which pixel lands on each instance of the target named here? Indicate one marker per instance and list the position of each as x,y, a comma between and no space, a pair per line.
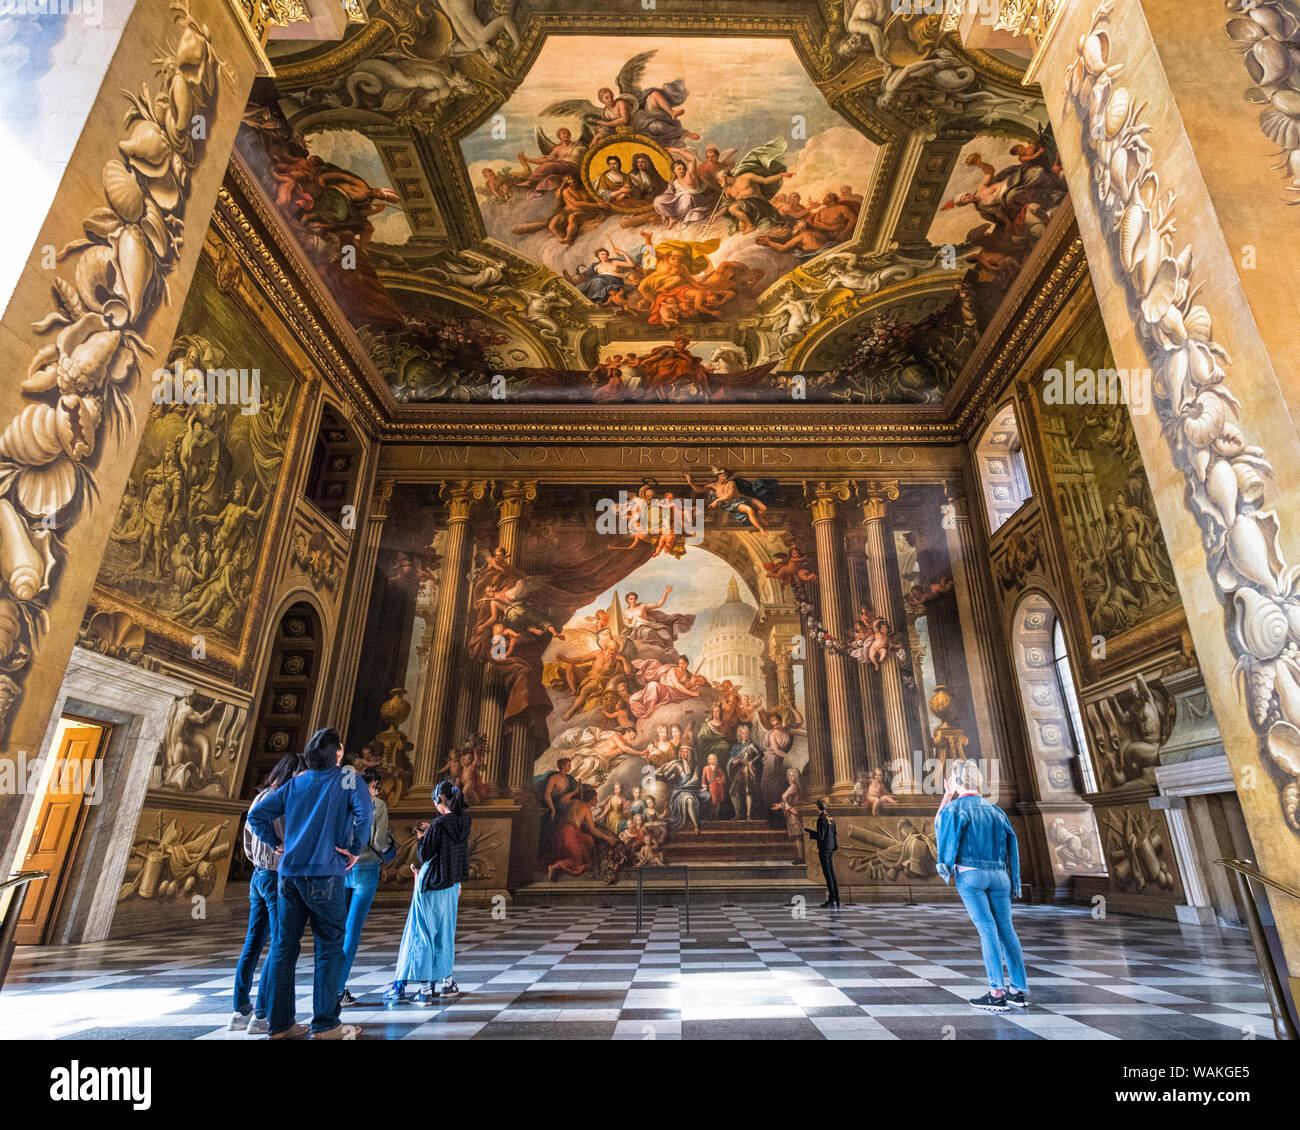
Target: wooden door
54,836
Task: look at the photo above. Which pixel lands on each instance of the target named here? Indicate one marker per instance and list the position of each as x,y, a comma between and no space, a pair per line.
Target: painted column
1183,208
980,627
356,605
846,741
117,137
869,692
887,600
448,647
505,744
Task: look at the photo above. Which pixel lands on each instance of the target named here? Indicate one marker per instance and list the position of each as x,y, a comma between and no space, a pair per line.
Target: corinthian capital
512,495
876,494
460,495
822,496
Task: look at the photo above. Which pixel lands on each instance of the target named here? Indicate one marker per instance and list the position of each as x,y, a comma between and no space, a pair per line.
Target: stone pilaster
356,603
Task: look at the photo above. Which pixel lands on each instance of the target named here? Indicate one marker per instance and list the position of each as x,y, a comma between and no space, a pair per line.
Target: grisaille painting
1118,553
188,537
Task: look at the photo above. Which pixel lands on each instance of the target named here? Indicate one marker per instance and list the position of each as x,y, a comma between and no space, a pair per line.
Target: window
1003,472
1065,684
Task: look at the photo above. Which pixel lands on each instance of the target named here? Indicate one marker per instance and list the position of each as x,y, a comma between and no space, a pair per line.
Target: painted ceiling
510,202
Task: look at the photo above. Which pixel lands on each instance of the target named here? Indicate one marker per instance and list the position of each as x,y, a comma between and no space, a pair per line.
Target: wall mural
192,525
1225,473
80,385
1118,553
642,637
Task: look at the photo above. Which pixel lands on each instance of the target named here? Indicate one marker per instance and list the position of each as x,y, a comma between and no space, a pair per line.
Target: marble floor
743,972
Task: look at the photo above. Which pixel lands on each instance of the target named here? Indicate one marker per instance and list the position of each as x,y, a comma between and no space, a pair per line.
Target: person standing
363,880
827,843
325,819
428,950
263,910
975,841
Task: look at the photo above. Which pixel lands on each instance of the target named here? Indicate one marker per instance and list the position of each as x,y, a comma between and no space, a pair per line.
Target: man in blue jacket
327,813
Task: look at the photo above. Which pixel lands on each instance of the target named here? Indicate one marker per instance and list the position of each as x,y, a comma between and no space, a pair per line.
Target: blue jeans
987,895
362,882
263,915
320,900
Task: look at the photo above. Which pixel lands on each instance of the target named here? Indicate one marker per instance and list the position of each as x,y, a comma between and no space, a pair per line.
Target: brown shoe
339,1032
297,1032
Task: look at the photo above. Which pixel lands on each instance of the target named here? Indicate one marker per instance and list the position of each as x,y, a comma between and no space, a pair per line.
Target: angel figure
477,275
653,111
736,496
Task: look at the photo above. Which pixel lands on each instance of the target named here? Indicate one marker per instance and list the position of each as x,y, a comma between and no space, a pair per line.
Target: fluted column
887,600
868,677
824,498
449,634
980,627
356,605
505,748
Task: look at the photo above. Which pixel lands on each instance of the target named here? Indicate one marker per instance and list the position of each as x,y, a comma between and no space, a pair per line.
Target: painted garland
1225,475
1267,33
80,385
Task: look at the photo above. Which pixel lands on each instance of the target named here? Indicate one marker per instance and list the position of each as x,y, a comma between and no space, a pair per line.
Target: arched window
1000,463
1065,685
1057,738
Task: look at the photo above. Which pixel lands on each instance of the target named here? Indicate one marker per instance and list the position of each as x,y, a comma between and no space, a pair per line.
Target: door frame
135,703
71,858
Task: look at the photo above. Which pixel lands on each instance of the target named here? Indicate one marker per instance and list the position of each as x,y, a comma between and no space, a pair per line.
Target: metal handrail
1242,872
9,924
640,873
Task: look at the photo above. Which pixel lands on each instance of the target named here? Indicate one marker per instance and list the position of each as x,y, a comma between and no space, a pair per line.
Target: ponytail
451,796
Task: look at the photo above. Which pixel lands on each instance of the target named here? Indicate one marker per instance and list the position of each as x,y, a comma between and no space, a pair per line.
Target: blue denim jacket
975,833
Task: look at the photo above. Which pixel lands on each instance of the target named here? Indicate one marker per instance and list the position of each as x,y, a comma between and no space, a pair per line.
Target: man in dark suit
826,845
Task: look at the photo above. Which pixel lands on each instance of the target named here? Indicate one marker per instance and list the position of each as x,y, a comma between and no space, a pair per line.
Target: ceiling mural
824,205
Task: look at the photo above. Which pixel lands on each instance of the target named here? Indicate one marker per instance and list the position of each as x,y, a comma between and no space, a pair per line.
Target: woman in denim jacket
976,842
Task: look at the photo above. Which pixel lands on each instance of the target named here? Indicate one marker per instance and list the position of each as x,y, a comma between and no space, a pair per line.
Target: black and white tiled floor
743,972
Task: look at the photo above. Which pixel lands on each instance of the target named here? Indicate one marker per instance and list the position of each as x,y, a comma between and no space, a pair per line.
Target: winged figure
652,111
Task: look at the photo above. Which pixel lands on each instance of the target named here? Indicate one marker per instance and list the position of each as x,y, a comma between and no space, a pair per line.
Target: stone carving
80,386
1130,728
1267,33
1135,850
314,555
200,746
1022,553
1200,417
907,853
178,860
1074,845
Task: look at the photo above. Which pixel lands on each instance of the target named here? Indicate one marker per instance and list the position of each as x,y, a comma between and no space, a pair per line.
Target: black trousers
827,860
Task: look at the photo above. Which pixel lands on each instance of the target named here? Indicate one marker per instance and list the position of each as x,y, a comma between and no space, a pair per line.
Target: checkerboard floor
743,972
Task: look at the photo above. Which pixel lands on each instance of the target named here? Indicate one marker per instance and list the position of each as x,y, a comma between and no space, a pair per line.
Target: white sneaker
258,1026
239,1021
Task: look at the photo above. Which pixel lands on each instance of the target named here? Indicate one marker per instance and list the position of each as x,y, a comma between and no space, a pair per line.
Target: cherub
877,792
501,633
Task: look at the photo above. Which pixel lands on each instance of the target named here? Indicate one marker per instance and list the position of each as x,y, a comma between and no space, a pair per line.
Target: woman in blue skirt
428,949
